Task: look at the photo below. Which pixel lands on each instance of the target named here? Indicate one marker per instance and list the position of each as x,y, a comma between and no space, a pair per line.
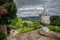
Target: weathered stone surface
43,38
44,29
52,35
36,35
13,32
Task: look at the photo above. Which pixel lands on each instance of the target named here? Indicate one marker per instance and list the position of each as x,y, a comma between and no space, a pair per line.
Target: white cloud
29,11
31,8
34,7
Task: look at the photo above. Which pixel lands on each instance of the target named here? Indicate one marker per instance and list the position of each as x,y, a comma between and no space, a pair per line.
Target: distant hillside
30,18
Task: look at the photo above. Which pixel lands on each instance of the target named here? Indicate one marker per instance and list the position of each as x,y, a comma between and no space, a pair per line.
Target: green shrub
24,30
54,28
19,23
16,23
36,25
29,28
3,35
25,24
55,20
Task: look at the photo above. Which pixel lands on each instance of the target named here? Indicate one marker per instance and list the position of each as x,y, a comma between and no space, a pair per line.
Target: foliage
3,10
54,28
29,28
3,35
55,20
24,30
7,12
25,24
16,23
11,8
19,23
36,24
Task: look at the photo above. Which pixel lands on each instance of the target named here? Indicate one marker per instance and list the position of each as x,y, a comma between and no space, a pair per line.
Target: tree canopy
7,11
55,20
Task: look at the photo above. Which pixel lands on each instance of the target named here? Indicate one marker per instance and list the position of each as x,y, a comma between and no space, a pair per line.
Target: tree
10,6
7,12
3,11
55,20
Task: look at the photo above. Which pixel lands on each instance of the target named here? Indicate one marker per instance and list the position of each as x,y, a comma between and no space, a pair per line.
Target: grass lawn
26,29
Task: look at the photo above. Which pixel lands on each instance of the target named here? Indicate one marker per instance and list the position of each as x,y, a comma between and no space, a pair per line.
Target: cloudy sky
35,7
